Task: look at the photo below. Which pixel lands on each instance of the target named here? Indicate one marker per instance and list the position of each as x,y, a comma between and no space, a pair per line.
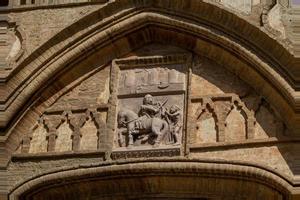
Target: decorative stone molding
219,107
11,42
168,152
52,119
52,123
77,121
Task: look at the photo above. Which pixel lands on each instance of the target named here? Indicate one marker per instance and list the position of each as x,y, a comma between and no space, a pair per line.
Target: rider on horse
150,108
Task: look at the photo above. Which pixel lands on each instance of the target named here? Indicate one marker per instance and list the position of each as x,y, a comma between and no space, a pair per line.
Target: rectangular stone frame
117,66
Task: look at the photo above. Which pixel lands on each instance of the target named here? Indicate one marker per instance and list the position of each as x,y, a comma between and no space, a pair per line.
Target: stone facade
149,99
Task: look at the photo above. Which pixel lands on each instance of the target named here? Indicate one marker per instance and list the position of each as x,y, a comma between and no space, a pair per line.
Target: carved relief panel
153,106
11,44
149,93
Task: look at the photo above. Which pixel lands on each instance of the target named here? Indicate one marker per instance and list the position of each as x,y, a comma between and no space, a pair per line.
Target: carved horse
136,125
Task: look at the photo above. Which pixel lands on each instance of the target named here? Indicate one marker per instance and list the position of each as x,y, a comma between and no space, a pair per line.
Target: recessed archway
156,179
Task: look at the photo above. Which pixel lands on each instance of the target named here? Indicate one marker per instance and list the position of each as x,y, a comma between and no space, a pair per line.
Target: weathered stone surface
275,20
210,78
20,170
11,43
211,74
273,157
40,25
150,94
90,92
242,5
74,131
89,136
38,142
235,126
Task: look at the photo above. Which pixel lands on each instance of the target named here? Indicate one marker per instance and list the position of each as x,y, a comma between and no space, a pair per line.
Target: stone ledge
149,152
56,155
243,144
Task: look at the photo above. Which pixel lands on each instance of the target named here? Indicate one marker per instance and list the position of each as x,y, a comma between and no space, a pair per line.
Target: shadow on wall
4,3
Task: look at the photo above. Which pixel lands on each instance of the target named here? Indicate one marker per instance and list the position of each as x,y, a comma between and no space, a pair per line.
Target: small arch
38,143
64,138
235,125
206,126
89,135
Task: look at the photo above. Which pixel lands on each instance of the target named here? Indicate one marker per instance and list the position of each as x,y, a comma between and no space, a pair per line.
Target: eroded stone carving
153,123
149,79
240,5
150,96
11,43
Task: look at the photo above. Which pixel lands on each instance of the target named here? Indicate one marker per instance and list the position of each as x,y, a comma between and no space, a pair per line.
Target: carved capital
52,122
101,127
77,121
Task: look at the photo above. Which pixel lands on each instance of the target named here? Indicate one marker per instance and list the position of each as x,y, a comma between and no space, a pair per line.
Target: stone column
221,113
221,128
250,126
26,144
51,137
77,121
52,123
101,134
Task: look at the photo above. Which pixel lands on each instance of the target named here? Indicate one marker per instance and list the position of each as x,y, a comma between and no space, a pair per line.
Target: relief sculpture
150,98
154,124
150,79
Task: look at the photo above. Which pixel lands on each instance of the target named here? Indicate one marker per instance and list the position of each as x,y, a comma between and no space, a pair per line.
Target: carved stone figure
151,125
150,108
134,126
175,121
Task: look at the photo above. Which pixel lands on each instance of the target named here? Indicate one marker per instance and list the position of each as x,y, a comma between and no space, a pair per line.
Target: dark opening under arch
4,3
